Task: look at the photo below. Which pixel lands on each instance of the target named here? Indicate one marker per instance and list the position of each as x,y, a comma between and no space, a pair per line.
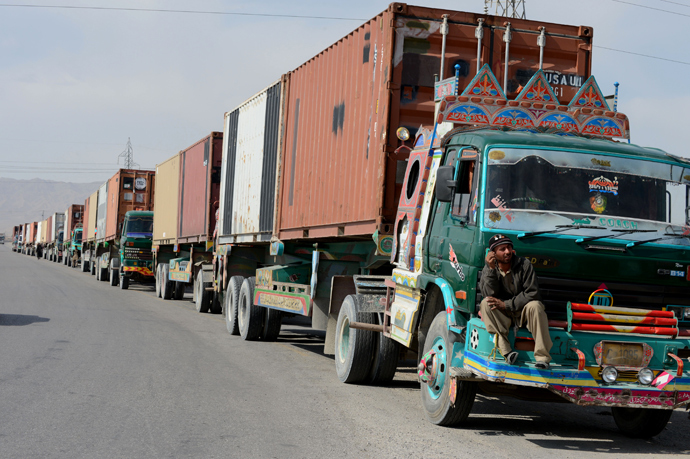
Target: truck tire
232,298
166,285
249,315
273,319
179,290
216,306
114,277
92,267
84,266
353,348
124,283
158,280
436,397
203,298
385,362
103,274
640,422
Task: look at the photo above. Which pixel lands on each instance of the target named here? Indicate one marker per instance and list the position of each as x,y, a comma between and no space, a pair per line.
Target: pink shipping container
49,232
339,174
199,188
74,216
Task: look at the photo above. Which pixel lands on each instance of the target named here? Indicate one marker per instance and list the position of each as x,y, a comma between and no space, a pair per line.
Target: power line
156,10
676,3
652,8
643,55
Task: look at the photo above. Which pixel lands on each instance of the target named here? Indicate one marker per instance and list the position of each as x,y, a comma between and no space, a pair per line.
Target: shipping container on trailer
340,175
92,203
50,229
300,232
101,211
183,236
250,159
88,233
74,218
166,201
128,189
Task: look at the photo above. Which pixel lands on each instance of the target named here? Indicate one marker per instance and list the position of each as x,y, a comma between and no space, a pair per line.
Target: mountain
24,201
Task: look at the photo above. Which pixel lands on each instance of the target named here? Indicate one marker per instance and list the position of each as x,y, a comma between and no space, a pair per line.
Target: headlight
686,313
609,375
645,376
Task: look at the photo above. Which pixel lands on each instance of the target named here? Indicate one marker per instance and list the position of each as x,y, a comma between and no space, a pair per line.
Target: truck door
454,228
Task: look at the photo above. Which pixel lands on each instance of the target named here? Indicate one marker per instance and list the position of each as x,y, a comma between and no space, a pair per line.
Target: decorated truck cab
136,258
604,224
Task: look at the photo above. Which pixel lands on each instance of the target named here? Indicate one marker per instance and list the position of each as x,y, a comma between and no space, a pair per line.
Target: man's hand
495,303
491,259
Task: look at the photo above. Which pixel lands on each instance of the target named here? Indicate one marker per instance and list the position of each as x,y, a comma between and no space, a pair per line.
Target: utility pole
507,8
128,156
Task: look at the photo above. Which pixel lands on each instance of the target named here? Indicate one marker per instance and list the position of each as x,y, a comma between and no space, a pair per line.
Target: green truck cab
605,226
74,246
136,258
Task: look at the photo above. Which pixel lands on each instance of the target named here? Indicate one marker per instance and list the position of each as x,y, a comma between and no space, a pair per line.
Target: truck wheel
273,319
114,277
158,280
216,306
640,422
103,274
166,285
124,283
353,348
203,298
92,266
232,298
436,397
249,316
179,290
385,363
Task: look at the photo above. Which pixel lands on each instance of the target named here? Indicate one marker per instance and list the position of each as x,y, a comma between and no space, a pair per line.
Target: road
90,371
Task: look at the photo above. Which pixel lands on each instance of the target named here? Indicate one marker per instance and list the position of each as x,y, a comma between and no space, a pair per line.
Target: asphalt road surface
90,371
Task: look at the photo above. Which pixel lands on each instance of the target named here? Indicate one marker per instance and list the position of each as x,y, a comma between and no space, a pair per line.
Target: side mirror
445,185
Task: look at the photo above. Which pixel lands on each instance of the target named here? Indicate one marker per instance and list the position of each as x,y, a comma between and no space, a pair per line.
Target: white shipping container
101,212
248,172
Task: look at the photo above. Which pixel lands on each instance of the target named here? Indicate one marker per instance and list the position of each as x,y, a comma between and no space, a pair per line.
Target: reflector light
609,375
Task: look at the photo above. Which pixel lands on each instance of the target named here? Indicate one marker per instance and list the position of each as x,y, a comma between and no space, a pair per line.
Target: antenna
128,155
507,8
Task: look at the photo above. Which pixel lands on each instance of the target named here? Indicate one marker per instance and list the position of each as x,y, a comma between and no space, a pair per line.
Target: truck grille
138,254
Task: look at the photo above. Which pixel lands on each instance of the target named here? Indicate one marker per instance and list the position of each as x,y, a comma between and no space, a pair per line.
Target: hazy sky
76,84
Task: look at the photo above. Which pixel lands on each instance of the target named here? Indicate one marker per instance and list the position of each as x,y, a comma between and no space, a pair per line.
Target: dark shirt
524,282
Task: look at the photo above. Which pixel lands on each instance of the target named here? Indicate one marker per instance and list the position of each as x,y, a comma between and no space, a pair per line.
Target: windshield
139,226
533,190
77,236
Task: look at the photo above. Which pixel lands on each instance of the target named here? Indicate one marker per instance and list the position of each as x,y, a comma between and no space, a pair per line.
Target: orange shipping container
128,189
340,175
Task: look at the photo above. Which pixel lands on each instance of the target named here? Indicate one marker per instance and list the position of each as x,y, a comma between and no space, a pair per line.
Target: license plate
622,354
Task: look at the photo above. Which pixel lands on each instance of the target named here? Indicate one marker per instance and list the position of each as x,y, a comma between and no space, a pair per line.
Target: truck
382,244
2,238
42,237
54,236
71,246
16,231
129,190
186,203
89,233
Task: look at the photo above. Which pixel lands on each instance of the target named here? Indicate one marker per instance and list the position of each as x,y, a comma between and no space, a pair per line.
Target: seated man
511,294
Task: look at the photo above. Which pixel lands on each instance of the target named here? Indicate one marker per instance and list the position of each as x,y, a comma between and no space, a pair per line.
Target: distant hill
23,201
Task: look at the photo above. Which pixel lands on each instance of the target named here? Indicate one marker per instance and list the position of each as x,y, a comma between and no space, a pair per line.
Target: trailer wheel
232,298
84,266
436,396
158,280
249,315
114,277
385,363
640,422
179,290
273,319
166,285
216,306
103,274
124,283
92,267
354,348
203,298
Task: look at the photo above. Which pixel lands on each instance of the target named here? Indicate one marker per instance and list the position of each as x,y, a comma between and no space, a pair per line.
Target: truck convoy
374,219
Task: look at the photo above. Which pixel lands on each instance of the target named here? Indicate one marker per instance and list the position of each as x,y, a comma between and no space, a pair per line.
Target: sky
76,84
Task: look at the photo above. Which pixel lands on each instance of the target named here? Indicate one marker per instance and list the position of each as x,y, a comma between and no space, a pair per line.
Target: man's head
502,246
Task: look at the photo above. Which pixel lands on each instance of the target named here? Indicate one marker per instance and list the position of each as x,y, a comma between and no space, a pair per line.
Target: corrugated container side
128,189
58,224
44,231
166,201
68,224
74,215
49,229
249,167
101,212
39,230
199,182
339,170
